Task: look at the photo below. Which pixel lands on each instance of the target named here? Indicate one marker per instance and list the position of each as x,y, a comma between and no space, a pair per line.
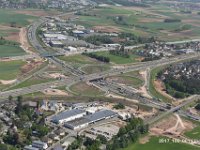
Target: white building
68,115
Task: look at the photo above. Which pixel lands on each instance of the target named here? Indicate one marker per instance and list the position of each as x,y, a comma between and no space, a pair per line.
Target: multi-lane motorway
140,66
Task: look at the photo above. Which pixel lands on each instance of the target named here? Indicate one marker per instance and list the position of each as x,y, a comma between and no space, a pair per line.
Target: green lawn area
77,59
152,89
10,70
83,89
117,59
8,15
194,133
31,81
7,50
154,144
128,80
95,68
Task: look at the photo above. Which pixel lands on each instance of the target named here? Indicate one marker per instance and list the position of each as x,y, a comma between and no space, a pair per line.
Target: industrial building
56,44
90,119
50,37
77,123
68,115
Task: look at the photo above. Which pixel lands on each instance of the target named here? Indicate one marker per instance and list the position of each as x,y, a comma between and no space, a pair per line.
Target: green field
95,68
7,16
77,59
154,144
10,70
6,51
31,81
82,89
152,89
117,59
144,21
194,133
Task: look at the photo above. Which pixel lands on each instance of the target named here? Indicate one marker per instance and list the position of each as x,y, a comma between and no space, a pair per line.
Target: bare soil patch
172,126
54,92
30,65
14,36
24,41
37,13
7,82
159,86
144,140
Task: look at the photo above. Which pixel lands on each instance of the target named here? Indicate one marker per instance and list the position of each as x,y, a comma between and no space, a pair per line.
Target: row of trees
97,57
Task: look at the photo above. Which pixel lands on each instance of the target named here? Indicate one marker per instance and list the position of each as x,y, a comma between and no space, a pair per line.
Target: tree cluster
119,106
171,20
197,107
99,39
128,134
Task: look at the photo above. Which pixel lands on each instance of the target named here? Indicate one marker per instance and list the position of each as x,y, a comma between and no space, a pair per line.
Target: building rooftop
77,122
56,42
67,114
100,115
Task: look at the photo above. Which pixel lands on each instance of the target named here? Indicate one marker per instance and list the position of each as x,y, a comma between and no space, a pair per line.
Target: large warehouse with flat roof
89,119
68,115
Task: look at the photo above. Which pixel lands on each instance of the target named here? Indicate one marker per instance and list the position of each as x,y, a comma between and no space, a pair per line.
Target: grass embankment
152,88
